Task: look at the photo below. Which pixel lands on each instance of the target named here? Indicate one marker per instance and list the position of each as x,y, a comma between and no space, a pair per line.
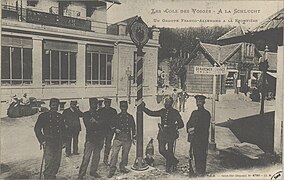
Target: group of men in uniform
55,130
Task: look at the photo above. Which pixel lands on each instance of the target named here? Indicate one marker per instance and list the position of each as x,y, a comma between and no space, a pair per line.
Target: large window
98,68
59,67
16,66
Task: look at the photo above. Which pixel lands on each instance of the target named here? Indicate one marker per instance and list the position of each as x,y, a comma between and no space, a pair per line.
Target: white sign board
210,70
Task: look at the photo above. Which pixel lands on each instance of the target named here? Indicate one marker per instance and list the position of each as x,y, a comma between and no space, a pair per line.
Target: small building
64,49
269,33
241,60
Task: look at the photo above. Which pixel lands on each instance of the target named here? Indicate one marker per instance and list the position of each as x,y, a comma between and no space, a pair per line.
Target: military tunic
126,125
170,122
50,128
200,121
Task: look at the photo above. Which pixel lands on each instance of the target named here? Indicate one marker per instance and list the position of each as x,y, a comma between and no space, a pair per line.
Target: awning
98,1
112,1
272,74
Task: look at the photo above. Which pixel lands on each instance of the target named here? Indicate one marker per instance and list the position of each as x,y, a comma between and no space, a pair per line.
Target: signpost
139,34
212,71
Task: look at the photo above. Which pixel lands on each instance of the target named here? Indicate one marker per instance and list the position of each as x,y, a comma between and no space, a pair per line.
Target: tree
178,43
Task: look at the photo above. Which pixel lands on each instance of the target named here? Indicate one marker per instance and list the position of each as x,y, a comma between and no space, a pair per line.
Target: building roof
272,60
235,32
222,53
113,28
274,21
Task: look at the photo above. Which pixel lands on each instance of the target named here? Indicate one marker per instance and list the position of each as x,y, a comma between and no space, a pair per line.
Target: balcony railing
66,12
38,17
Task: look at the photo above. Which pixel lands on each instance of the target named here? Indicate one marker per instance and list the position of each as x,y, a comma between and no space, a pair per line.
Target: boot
168,167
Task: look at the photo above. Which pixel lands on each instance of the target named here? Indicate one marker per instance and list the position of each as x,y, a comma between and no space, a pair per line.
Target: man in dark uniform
198,126
182,97
94,140
125,134
50,130
72,118
168,131
109,116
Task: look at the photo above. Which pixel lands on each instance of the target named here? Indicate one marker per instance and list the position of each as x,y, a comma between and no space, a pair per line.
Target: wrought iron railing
38,17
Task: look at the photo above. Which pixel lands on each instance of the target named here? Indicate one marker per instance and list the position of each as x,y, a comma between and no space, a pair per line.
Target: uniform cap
200,97
93,100
54,100
73,102
107,100
175,89
123,103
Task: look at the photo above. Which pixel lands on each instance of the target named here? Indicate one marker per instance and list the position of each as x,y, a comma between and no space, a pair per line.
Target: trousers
52,158
72,136
89,149
200,156
167,153
117,144
107,141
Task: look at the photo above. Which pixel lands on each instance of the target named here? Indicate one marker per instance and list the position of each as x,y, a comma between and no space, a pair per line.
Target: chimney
122,28
155,33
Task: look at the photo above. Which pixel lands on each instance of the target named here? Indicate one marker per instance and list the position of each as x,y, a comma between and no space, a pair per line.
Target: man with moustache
198,134
171,121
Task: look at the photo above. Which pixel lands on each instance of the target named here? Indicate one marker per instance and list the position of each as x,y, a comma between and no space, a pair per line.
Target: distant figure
25,100
50,130
198,134
13,110
125,135
25,106
175,98
182,97
72,118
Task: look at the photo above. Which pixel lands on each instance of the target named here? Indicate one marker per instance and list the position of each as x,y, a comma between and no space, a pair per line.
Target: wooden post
212,144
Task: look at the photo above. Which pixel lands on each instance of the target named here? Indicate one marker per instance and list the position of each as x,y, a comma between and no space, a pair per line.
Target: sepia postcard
152,89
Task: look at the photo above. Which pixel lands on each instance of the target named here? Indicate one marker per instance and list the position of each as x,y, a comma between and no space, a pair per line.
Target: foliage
178,43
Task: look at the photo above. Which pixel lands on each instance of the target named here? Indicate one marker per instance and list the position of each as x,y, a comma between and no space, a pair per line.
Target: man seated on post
50,130
168,131
94,140
125,134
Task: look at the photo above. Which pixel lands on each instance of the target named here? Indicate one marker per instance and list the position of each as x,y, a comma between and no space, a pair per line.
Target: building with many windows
64,49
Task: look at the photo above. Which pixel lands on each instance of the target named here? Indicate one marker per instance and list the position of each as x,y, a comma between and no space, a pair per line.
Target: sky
194,13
